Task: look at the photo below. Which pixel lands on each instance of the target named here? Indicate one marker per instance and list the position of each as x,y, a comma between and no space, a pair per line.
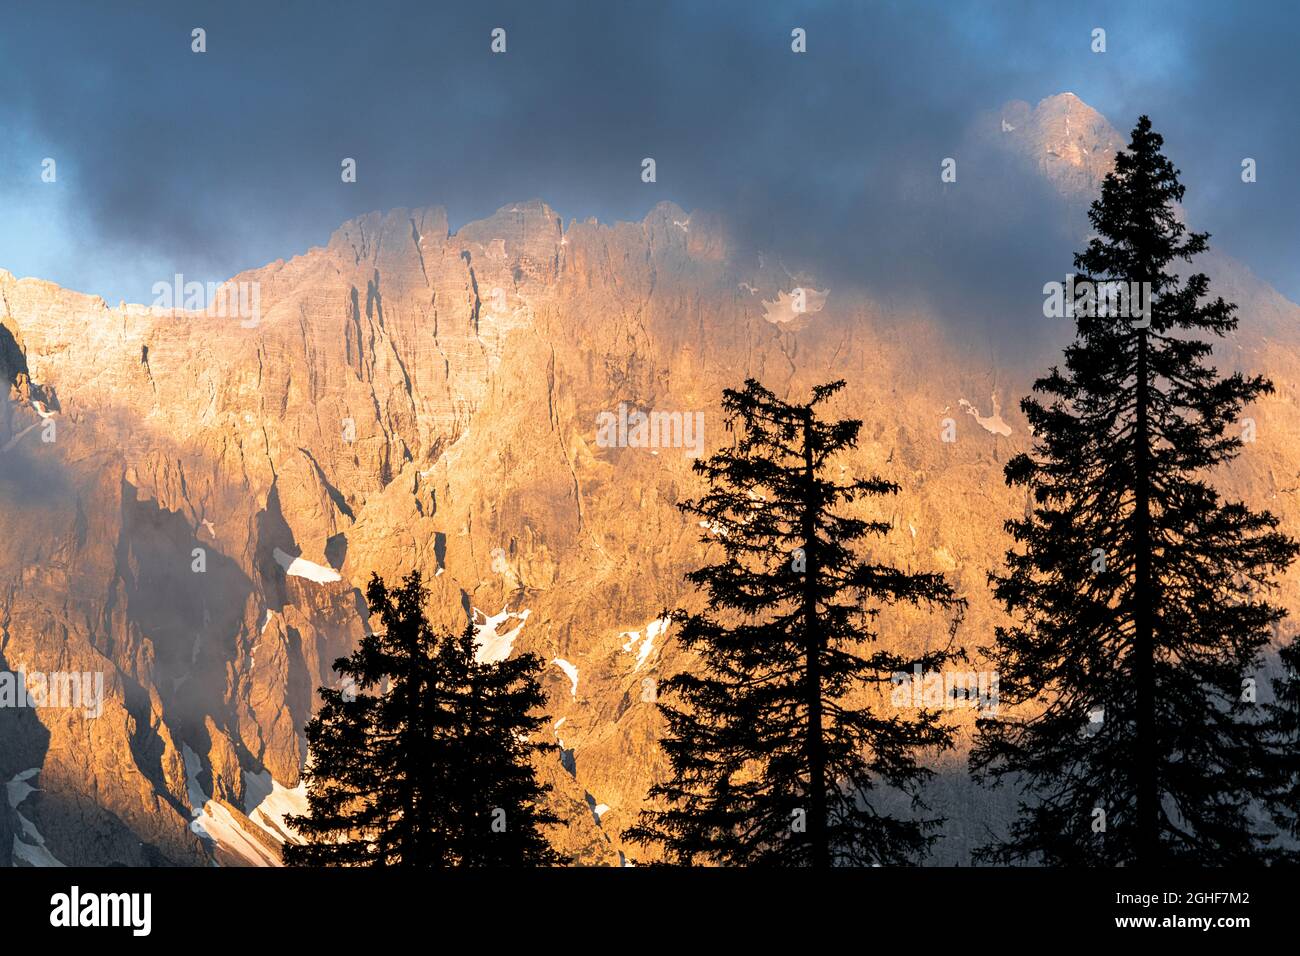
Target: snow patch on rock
993,423
267,802
493,645
29,845
644,645
570,671
302,568
215,824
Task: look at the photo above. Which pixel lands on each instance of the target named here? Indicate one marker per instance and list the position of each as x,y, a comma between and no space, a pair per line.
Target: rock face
1072,144
192,504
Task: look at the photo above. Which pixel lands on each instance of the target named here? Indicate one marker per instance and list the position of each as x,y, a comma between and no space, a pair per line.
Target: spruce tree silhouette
1138,594
494,803
423,758
1284,725
772,764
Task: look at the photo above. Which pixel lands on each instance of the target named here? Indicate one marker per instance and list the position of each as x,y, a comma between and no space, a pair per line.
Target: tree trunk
1148,810
817,823
411,851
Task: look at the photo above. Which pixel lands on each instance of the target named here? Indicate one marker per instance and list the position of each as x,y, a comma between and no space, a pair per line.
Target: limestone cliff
412,397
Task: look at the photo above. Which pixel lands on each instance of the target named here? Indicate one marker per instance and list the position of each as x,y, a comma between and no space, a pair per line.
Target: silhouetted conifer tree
773,764
494,801
422,758
1284,801
1136,590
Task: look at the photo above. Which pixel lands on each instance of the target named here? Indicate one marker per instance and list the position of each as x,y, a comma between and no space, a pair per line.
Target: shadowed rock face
411,398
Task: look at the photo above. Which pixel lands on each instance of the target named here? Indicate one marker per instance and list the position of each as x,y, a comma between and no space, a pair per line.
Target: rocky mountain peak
1069,142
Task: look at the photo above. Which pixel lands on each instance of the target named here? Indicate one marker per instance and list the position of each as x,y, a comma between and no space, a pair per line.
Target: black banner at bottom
132,907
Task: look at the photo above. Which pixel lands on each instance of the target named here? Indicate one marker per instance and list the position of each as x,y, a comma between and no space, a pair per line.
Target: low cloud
216,162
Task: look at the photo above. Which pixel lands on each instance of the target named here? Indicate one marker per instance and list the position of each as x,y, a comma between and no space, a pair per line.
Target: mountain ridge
412,397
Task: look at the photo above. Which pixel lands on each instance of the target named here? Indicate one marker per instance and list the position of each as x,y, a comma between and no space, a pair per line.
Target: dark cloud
226,160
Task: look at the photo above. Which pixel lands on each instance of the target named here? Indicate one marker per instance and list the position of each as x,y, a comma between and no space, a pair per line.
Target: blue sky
171,161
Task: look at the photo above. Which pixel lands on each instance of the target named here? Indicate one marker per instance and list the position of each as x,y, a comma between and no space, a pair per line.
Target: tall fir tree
423,757
491,711
1139,595
371,743
1284,727
772,763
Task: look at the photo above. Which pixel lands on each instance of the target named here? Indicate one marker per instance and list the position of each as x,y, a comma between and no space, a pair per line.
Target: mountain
409,396
1071,144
